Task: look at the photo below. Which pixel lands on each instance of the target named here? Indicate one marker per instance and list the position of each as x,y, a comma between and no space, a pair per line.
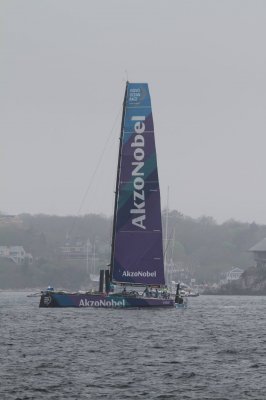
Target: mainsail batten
137,253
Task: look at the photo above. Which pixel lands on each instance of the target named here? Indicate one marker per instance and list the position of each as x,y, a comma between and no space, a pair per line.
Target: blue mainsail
137,250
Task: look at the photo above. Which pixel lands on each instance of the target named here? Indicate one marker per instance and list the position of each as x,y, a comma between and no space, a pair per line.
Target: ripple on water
213,350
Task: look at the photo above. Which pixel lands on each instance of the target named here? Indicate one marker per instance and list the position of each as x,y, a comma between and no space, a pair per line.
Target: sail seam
150,190
133,132
138,107
143,233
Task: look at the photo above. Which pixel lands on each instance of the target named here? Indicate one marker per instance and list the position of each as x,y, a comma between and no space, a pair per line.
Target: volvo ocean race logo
137,95
102,303
139,211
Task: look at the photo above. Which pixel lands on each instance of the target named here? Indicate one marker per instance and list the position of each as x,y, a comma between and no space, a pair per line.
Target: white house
234,274
15,253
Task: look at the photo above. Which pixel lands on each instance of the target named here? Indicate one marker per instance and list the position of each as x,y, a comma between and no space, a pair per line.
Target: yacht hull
101,301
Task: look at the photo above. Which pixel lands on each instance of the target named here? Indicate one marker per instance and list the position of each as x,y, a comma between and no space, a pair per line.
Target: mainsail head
137,251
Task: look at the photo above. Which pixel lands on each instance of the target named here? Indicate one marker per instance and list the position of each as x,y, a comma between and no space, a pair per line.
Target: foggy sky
62,79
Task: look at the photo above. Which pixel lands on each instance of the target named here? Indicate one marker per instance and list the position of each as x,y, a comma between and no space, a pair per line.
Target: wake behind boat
137,247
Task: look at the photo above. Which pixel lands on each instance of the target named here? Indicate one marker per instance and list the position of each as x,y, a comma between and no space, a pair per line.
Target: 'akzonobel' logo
137,173
102,303
144,274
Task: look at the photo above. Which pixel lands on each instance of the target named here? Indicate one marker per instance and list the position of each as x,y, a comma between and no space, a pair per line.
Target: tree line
207,249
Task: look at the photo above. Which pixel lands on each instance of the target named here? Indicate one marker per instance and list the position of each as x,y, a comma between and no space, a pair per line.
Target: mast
117,183
166,232
87,257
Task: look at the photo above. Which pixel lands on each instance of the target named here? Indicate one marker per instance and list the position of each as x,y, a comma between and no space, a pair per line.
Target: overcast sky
63,66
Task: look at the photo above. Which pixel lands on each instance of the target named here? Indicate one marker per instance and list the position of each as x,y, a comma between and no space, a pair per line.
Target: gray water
215,349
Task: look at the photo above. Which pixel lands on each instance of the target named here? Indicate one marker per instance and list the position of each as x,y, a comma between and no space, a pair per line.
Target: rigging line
96,167
99,162
167,244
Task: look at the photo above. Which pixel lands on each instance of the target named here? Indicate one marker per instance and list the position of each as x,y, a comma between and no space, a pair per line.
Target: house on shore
259,253
17,254
234,274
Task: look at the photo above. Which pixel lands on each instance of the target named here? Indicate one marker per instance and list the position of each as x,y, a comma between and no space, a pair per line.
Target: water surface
215,349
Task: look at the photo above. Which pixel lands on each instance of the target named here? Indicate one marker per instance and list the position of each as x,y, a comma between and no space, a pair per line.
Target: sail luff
117,183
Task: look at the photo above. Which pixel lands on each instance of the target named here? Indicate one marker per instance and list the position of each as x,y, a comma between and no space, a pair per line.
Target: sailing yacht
137,261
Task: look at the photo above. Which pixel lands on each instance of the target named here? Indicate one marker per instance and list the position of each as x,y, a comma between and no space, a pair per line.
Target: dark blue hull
57,299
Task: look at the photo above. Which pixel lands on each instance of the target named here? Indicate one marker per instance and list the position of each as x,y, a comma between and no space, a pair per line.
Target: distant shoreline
235,294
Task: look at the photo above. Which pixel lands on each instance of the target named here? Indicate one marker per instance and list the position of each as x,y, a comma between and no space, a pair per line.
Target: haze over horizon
64,67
